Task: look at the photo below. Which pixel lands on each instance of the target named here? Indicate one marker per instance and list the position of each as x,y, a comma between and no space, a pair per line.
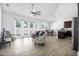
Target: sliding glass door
18,28
21,29
26,28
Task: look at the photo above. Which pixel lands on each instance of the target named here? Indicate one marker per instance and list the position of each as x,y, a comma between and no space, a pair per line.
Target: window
18,23
25,24
31,25
42,26
36,25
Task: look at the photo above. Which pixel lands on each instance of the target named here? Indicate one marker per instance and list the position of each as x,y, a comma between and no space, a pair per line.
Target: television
67,24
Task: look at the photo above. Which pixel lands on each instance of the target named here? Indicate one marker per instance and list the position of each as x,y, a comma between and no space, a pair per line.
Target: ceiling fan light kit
34,12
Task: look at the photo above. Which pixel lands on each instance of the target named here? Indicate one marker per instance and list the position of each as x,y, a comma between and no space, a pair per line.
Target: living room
23,25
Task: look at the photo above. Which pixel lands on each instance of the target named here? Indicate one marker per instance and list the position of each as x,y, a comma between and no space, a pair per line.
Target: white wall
65,12
8,21
0,21
56,26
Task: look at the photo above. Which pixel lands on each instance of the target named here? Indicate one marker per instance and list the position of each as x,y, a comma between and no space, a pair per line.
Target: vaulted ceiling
24,9
49,11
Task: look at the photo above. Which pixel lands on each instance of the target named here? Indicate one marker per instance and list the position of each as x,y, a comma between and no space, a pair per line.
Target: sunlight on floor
23,42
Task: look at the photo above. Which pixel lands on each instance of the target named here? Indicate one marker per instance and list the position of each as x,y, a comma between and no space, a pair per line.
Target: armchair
41,38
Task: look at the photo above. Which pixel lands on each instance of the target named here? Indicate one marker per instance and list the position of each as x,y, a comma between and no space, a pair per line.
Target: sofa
50,32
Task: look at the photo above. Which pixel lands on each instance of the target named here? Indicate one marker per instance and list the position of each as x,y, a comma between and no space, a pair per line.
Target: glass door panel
18,28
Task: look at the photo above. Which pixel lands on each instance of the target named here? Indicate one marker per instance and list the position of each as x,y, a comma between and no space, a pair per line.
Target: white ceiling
51,12
66,11
24,9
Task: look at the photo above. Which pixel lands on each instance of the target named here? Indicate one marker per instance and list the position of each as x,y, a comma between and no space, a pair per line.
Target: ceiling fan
34,12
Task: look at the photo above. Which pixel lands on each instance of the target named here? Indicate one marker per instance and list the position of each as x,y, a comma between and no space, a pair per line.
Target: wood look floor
52,47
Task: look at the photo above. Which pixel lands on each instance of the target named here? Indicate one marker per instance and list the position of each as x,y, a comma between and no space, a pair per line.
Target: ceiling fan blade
33,12
38,14
39,11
